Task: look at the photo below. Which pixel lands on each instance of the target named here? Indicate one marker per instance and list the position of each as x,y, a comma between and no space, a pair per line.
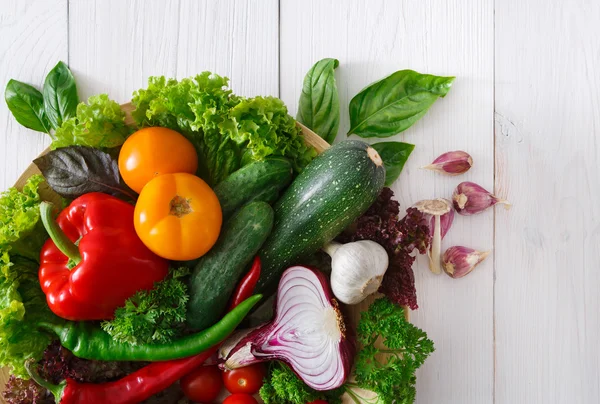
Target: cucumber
257,181
217,273
333,190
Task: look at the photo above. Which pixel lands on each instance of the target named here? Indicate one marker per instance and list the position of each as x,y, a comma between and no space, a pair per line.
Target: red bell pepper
94,260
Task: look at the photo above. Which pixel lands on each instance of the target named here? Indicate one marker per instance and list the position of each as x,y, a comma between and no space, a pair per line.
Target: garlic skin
459,261
452,163
469,199
446,221
357,269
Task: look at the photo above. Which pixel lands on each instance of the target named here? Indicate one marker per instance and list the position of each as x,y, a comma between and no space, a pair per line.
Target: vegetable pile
132,266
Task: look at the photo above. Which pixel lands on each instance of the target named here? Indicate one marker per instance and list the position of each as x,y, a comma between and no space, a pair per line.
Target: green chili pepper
89,341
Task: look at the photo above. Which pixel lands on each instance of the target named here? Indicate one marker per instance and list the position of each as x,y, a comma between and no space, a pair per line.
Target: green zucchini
333,190
217,273
257,181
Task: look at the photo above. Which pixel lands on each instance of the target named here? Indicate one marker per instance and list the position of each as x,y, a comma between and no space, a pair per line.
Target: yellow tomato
151,152
178,216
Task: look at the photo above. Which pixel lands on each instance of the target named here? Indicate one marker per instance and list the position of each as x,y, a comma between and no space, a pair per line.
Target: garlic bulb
357,269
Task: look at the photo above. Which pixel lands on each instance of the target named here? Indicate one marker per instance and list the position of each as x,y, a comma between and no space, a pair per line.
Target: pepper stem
57,390
66,246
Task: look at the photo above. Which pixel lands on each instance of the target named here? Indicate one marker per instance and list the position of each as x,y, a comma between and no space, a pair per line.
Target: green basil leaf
395,103
319,105
60,95
76,170
27,106
394,156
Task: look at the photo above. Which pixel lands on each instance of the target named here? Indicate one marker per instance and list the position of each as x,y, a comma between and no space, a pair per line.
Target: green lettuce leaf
21,230
22,306
22,302
226,130
100,123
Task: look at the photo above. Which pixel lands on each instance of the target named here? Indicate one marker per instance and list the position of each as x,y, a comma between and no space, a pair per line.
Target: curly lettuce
100,123
21,230
22,302
22,307
227,130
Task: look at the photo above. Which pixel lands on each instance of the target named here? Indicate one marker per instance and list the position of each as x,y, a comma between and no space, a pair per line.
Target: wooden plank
233,38
547,159
116,45
371,40
34,39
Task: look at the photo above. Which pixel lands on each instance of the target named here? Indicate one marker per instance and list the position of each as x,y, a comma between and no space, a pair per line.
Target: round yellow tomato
178,216
155,151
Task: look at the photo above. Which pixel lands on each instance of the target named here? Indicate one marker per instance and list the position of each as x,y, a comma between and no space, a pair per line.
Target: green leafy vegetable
21,230
154,316
282,386
22,306
406,345
319,105
27,106
22,302
395,103
76,170
60,95
226,130
394,156
100,123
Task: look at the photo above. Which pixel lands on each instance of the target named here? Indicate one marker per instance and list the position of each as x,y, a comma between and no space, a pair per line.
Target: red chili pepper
94,260
246,286
148,381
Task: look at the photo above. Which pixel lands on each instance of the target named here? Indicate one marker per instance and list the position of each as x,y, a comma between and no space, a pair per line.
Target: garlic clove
437,208
446,221
452,163
459,261
469,199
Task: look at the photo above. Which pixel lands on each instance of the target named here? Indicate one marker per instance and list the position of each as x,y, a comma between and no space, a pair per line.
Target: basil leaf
27,106
319,105
76,170
395,103
60,95
394,156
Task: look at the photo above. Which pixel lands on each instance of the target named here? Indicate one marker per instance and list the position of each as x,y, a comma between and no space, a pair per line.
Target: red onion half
308,333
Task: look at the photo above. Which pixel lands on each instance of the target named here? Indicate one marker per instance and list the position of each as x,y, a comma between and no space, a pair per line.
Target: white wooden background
524,327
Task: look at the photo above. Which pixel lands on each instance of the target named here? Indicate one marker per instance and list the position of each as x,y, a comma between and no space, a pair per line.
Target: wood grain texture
547,159
33,38
116,45
371,40
233,38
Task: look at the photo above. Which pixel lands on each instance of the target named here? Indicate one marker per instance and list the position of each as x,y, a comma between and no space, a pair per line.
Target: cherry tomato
318,402
246,380
178,216
203,384
240,399
151,152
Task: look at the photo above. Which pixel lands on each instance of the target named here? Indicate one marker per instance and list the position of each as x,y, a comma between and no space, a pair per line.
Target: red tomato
240,399
247,380
203,384
318,402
